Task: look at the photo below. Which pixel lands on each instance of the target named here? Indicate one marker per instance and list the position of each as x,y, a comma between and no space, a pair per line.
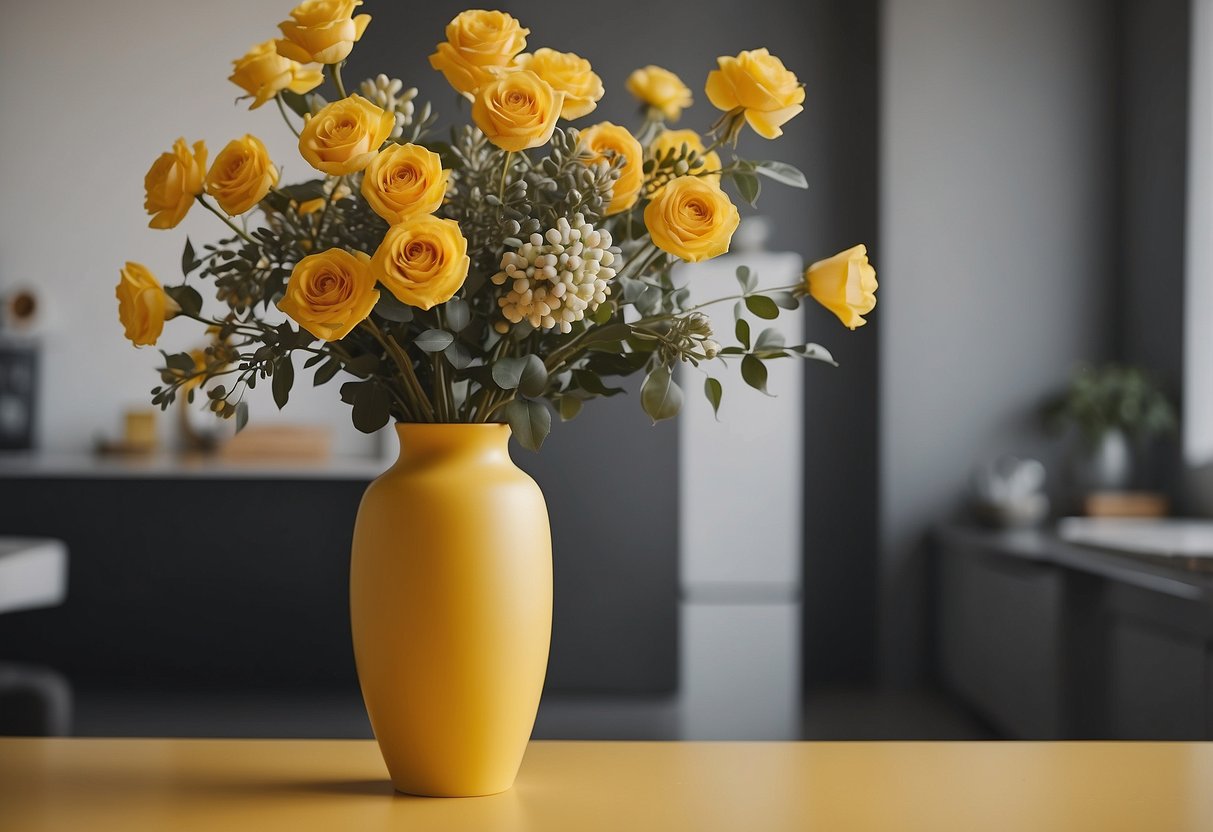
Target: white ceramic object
33,573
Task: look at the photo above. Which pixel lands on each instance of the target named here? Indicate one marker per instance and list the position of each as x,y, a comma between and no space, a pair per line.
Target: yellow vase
451,608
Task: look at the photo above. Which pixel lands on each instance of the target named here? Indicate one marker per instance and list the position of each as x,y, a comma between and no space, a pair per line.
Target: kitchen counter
298,785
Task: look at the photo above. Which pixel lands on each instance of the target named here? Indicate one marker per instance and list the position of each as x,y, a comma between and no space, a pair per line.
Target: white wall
1198,328
996,240
91,93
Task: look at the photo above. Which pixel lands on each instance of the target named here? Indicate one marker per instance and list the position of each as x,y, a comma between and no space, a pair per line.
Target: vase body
451,609
1107,465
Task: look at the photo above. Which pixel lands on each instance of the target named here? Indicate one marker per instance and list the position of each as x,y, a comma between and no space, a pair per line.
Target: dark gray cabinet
1050,641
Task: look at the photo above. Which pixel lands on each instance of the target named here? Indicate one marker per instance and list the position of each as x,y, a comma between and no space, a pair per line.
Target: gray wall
996,225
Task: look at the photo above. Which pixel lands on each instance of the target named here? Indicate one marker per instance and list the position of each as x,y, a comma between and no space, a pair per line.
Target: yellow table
131,785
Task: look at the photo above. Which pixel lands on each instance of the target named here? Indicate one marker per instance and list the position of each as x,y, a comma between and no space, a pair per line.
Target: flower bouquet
485,275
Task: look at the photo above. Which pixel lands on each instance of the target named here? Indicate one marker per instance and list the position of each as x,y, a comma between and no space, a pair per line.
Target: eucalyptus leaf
284,378
530,421
570,406
326,372
372,407
457,313
754,372
747,279
748,186
782,172
762,306
785,300
534,378
815,352
743,332
391,309
714,390
433,340
660,396
241,416
458,355
186,297
769,339
189,260
507,372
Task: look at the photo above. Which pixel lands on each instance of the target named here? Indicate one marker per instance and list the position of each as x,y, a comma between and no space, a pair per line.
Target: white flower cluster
555,278
389,93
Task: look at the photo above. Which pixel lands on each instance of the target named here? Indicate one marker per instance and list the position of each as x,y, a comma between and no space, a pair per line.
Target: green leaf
754,373
281,381
313,360
570,406
762,306
458,314
458,355
433,340
186,297
372,407
769,339
507,372
785,300
660,396
326,372
530,421
611,332
781,172
241,416
362,365
592,384
180,361
534,378
743,332
713,389
748,186
189,260
296,102
815,352
747,279
391,309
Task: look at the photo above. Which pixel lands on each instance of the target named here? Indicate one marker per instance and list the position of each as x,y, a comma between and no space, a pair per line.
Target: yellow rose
330,293
567,73
241,176
845,284
671,141
143,307
477,43
517,110
604,137
321,31
172,182
760,84
263,73
692,219
660,89
404,180
345,135
422,261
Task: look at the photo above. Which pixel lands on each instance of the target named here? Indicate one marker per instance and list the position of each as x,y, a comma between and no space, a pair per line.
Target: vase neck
433,442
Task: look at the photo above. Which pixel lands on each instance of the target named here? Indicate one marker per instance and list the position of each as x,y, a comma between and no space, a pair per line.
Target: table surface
299,785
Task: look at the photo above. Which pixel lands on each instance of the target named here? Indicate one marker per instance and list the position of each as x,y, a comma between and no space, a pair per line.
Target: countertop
1152,573
299,785
21,465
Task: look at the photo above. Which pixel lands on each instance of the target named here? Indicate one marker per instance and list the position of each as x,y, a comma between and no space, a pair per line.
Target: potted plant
1108,407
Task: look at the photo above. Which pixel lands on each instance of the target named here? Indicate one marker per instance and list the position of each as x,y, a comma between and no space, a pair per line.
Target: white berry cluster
555,278
389,93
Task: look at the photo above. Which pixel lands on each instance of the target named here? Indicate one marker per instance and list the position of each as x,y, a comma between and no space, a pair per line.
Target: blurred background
958,533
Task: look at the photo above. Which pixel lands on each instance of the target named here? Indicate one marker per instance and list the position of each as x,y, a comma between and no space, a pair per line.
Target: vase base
412,791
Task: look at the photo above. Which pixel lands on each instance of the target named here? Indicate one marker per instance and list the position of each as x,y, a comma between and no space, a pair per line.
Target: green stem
322,223
505,169
336,70
405,365
282,109
202,200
